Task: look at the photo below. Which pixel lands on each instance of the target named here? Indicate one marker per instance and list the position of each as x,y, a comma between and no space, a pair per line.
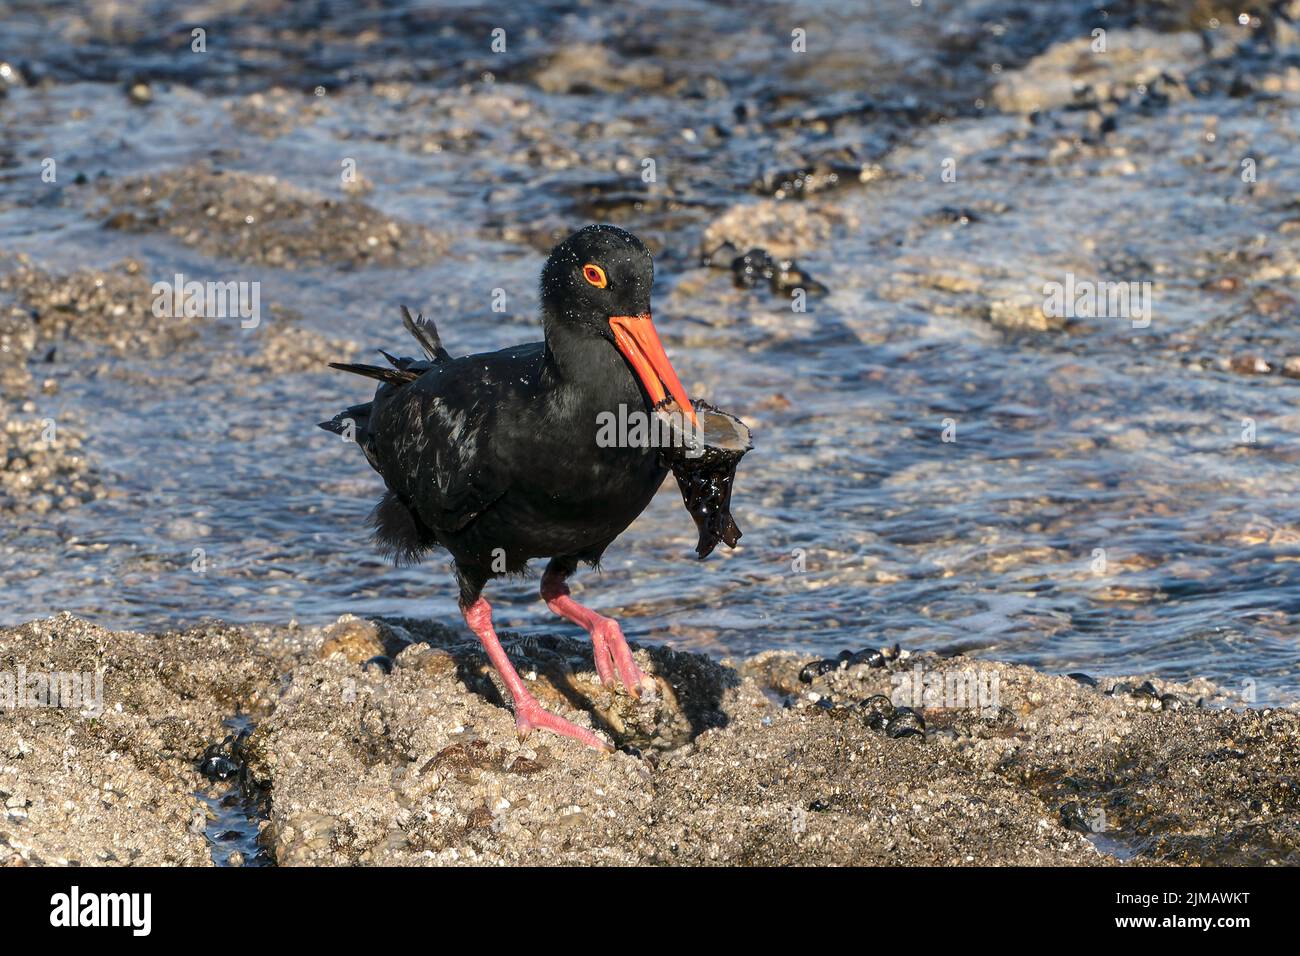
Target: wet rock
141,94
42,466
352,639
823,176
117,787
1077,817
283,349
1249,365
262,220
784,230
589,68
1023,312
111,308
422,766
10,76
1071,72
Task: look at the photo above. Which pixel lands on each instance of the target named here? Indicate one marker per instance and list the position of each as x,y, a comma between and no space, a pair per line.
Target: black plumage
493,456
498,457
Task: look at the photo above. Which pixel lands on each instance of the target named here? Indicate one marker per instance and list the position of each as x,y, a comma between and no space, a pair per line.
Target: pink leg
529,714
606,638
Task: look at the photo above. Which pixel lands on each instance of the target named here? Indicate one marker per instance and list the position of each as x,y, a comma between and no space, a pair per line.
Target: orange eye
595,275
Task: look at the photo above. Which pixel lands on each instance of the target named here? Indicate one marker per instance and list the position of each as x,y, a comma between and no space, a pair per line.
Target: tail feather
398,531
426,333
351,420
394,376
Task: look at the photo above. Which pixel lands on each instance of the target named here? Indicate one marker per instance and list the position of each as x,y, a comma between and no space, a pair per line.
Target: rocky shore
387,742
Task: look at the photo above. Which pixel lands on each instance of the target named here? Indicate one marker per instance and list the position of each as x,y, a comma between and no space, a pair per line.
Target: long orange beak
637,339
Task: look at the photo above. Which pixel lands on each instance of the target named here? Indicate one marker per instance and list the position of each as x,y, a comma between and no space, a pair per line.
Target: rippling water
1102,505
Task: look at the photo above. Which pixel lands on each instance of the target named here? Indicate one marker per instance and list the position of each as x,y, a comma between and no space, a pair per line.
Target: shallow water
862,524
236,812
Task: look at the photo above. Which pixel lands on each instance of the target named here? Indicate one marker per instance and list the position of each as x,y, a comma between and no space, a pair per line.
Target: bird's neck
587,371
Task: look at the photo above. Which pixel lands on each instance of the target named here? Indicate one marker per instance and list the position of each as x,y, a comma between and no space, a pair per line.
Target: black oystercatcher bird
495,456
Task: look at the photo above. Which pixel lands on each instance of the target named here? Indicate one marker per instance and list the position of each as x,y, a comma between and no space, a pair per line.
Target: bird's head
598,282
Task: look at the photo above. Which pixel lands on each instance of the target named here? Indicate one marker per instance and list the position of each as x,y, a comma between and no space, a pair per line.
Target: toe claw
531,717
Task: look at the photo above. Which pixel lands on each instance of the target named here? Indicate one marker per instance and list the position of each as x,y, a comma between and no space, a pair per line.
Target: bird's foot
530,716
613,652
604,660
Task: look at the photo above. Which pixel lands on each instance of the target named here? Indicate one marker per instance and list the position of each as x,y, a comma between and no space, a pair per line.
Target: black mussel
218,767
1120,688
782,276
1146,689
818,806
704,463
825,703
816,175
758,266
1172,702
955,215
1083,679
876,711
1075,817
750,269
719,257
380,662
226,759
810,672
905,723
872,657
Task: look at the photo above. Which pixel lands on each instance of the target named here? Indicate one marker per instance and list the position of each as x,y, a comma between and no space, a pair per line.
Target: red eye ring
595,275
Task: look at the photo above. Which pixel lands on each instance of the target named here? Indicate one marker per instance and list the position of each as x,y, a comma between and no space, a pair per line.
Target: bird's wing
433,438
